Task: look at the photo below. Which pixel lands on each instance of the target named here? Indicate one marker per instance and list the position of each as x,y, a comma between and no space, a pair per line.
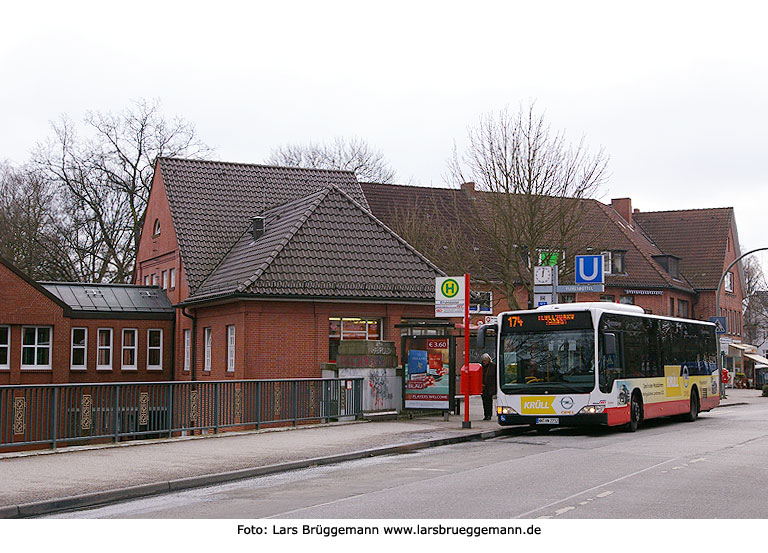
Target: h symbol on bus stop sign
589,269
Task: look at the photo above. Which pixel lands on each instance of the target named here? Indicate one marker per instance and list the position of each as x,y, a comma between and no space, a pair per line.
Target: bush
765,390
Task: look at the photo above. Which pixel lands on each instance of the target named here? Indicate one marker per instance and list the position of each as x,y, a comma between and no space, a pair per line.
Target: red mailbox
475,378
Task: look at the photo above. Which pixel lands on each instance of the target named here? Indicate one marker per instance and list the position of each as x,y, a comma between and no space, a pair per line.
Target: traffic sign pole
466,423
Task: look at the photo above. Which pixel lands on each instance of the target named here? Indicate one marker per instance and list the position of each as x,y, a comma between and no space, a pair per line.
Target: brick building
72,332
667,262
270,267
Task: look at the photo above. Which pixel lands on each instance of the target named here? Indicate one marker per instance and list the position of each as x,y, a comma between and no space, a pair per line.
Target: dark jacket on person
489,379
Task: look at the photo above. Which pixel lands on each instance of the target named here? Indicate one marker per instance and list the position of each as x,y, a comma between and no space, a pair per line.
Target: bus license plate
550,420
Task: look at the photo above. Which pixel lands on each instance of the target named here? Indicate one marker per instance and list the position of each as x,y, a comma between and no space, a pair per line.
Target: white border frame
99,347
7,366
207,348
231,333
72,366
36,367
160,366
187,337
135,348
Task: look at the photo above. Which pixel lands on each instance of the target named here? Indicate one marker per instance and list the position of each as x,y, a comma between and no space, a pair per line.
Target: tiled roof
324,245
610,231
212,202
110,298
697,236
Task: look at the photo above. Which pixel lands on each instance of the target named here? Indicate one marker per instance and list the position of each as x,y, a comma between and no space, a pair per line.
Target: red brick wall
25,305
282,339
731,302
118,373
160,252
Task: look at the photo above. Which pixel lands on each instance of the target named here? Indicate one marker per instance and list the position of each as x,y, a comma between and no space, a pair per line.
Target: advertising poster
427,378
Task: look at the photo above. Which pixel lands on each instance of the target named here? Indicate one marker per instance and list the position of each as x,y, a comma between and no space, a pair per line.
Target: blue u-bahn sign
589,269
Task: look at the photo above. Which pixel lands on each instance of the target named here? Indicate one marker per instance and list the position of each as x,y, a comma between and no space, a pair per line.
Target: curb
49,506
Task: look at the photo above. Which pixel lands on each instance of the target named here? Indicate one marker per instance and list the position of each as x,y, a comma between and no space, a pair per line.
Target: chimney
468,187
623,207
258,227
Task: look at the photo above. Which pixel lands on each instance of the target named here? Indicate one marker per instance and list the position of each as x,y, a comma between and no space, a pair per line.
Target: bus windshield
548,361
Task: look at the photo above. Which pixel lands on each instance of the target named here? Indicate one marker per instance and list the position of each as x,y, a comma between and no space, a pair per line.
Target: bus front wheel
635,413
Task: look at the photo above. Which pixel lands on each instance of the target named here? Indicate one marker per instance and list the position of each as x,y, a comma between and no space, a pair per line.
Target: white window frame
187,349
165,280
111,349
607,261
172,275
84,347
619,254
7,347
207,342
154,279
36,346
159,349
134,347
728,282
230,348
146,280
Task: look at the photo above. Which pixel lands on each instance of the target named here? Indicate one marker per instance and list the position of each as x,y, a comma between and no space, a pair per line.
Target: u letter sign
589,269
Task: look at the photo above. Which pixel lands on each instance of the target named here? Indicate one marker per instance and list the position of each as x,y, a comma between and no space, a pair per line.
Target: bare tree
534,185
348,154
756,302
432,226
30,223
105,178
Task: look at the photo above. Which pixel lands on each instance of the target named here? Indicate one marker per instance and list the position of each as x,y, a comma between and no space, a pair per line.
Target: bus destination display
531,322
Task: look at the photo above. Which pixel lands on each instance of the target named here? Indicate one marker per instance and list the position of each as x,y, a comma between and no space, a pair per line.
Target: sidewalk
34,483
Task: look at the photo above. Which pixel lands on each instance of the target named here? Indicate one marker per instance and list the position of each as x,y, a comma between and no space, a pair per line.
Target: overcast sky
674,93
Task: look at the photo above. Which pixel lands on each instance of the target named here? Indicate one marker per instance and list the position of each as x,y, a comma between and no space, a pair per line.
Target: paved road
716,467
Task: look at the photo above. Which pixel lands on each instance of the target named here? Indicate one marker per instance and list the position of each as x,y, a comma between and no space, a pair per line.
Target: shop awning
743,347
757,358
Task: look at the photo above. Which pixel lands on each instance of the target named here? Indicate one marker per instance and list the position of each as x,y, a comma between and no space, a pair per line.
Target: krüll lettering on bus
537,405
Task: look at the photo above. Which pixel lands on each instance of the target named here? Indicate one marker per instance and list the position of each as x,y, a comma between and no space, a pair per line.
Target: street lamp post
717,299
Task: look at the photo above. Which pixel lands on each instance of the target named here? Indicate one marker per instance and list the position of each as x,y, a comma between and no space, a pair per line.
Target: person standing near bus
725,381
489,385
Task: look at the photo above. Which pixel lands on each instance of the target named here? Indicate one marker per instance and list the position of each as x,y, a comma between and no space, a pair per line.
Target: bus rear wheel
635,413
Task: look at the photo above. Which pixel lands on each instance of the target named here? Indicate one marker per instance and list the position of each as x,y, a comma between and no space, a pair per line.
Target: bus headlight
592,410
504,410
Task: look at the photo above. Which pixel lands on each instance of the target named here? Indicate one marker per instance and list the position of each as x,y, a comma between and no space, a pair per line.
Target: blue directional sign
589,269
721,324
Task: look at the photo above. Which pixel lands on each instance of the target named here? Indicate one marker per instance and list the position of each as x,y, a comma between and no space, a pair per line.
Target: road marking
630,475
564,510
605,494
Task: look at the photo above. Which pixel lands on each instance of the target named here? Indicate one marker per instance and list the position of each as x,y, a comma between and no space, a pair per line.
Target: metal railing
61,414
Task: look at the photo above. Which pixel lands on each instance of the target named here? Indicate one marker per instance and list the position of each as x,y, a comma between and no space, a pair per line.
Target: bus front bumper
568,420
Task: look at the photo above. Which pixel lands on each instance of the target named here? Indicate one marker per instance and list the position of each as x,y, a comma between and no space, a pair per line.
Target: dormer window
156,227
670,263
613,262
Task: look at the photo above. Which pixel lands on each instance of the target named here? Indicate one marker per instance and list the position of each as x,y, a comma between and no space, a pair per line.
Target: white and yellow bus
601,363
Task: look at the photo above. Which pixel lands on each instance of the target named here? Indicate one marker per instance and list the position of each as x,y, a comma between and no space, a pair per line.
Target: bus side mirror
609,343
480,342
